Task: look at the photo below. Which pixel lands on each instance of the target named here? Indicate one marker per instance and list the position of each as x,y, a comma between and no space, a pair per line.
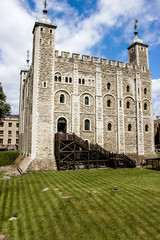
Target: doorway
62,125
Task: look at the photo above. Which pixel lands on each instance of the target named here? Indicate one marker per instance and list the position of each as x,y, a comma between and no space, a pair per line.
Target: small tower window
62,98
120,104
66,79
59,79
108,86
86,101
44,84
109,103
145,90
83,81
146,128
143,69
128,104
129,128
70,80
109,126
139,106
41,29
145,106
50,42
87,125
55,78
79,81
50,31
128,88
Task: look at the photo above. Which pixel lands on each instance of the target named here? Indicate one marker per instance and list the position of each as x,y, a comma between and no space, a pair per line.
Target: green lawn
8,157
82,205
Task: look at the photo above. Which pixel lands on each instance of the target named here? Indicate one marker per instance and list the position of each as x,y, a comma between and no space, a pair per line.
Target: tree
4,107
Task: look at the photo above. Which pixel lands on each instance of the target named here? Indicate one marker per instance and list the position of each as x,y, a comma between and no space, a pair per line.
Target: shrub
8,157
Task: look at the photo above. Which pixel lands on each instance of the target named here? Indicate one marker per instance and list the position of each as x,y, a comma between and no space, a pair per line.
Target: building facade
9,132
157,131
101,101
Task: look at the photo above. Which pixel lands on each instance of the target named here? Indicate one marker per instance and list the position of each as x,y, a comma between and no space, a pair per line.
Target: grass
82,205
8,157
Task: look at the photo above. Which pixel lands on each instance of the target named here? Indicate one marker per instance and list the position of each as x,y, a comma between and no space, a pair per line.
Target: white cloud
156,96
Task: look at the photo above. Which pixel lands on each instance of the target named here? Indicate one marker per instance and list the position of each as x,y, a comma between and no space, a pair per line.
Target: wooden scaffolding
72,152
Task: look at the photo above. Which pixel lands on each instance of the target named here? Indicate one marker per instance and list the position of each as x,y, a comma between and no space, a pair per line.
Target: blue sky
102,28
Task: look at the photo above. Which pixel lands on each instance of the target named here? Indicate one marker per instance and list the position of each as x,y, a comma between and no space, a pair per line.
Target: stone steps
24,164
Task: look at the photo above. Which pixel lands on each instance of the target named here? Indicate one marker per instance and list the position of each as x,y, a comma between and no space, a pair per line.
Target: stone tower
138,56
138,52
42,148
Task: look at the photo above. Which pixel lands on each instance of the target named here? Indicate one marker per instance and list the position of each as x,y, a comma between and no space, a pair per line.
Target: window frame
108,103
64,98
84,128
87,104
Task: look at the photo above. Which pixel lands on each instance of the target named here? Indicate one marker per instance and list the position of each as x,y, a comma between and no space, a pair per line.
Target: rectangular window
50,30
1,124
1,141
9,141
1,132
17,125
17,141
10,124
17,132
9,132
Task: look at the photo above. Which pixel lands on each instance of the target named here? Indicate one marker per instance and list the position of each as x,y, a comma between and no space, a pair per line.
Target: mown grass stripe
92,211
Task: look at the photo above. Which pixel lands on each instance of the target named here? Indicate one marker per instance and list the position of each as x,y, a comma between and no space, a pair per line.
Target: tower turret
43,90
138,51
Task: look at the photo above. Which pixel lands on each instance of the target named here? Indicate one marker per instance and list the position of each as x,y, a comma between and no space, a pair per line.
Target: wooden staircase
72,152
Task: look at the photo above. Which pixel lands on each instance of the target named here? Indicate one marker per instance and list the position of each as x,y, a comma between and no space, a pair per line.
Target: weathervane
45,7
28,58
135,27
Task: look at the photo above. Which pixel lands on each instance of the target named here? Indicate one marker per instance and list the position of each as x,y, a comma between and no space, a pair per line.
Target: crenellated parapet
95,60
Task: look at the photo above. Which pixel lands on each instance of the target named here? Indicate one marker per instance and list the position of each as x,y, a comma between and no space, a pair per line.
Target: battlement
102,61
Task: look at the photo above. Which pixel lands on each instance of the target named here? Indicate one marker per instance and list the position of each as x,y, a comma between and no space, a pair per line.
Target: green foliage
4,107
8,157
82,205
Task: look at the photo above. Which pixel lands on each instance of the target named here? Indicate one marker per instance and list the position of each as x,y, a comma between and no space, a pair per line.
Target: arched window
146,128
129,127
86,100
109,126
55,78
66,79
70,79
108,86
59,78
62,98
145,90
128,88
83,81
79,80
145,106
87,125
128,104
109,103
